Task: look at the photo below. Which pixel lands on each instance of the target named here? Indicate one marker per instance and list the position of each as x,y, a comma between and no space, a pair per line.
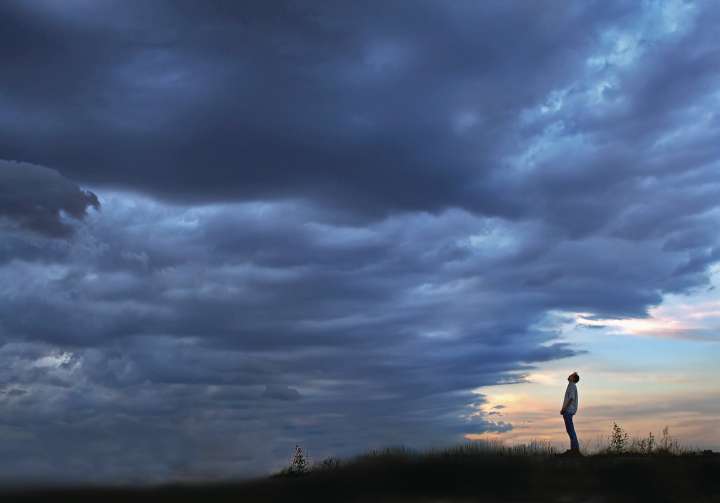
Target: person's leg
570,428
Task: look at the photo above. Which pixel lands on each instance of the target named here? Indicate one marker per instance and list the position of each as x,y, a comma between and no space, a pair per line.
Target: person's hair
577,377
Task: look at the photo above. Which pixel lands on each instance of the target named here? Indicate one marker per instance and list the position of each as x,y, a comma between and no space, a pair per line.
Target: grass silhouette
474,471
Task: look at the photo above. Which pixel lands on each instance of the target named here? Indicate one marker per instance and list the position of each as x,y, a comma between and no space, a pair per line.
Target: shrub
298,464
618,439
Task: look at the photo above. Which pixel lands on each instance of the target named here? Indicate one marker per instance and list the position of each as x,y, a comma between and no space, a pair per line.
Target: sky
227,228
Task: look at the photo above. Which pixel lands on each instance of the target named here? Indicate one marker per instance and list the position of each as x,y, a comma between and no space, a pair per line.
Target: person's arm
567,401
566,404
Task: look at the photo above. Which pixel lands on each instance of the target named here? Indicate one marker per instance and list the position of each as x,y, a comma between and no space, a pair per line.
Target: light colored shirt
571,392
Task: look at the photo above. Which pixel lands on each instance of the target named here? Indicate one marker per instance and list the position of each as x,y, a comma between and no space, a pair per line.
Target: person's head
574,377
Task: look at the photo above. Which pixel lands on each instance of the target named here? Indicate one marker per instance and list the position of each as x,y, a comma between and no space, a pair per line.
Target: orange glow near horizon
537,418
643,373
690,316
656,326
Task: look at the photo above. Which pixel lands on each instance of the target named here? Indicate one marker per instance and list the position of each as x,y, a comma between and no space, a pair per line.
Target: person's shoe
575,452
566,453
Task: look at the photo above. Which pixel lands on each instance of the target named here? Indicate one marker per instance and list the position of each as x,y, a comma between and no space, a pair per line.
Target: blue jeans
570,428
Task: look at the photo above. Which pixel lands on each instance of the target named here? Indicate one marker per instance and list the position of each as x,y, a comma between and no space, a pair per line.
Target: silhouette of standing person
568,410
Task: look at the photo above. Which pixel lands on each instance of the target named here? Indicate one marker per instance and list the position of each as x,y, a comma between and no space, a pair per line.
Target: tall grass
404,454
495,448
468,449
621,443
617,443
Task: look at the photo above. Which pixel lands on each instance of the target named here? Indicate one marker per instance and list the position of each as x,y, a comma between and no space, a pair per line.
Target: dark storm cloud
284,99
272,328
33,197
262,325
409,197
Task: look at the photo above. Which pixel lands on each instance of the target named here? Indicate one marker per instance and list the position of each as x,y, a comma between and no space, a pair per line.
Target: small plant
618,439
644,445
667,444
620,443
299,464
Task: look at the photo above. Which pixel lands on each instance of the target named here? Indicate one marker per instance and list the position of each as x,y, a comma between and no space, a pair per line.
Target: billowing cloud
443,104
261,317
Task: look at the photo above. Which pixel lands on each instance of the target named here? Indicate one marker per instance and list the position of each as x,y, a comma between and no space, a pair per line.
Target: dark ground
447,478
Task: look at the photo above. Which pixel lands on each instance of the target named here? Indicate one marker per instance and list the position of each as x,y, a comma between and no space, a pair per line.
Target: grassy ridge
472,472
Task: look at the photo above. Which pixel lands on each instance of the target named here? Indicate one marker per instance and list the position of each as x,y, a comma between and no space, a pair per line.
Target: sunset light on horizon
665,378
